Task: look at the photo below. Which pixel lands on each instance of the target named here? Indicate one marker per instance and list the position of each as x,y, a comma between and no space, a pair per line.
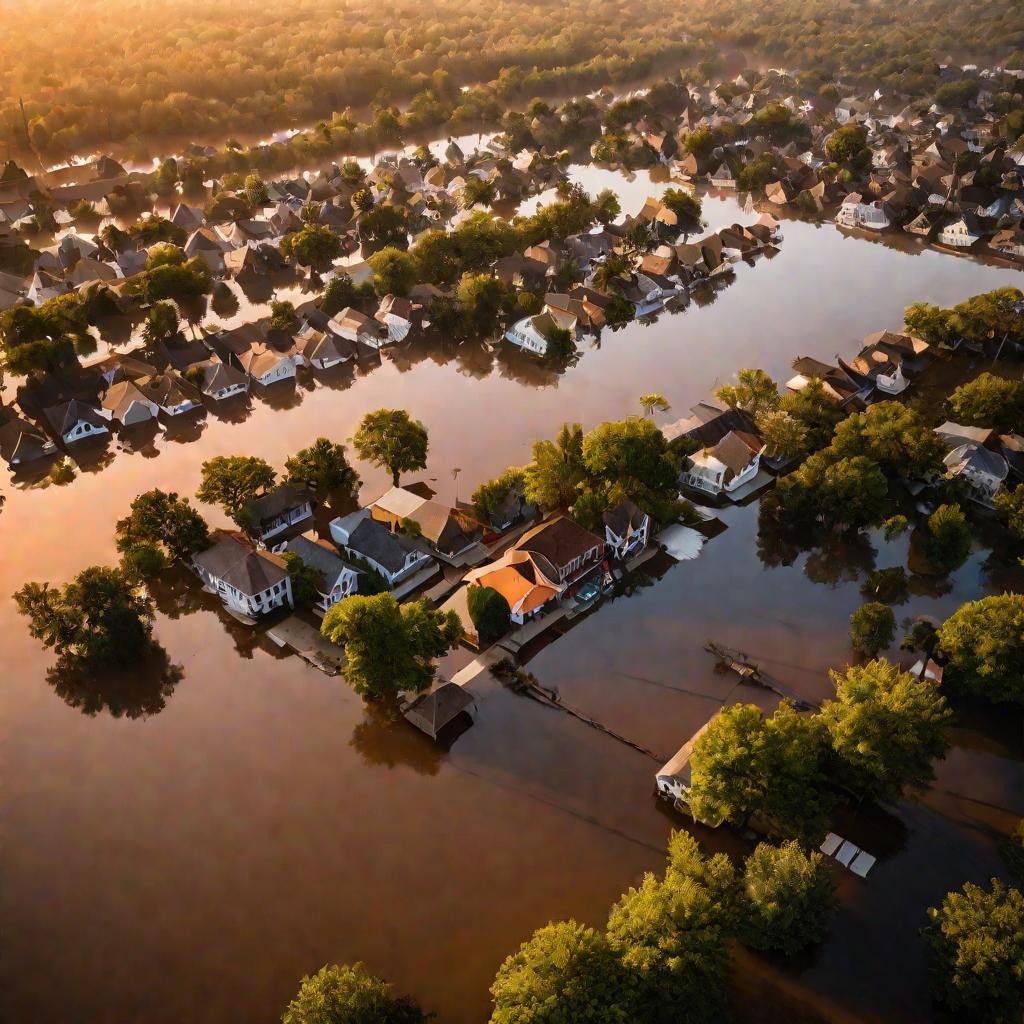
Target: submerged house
627,530
727,466
250,583
674,779
393,555
279,510
983,471
338,579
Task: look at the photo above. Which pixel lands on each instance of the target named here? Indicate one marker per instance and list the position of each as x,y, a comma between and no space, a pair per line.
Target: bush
490,613
872,627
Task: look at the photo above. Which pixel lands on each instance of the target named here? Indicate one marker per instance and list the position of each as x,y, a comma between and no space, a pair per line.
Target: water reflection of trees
133,692
379,741
831,558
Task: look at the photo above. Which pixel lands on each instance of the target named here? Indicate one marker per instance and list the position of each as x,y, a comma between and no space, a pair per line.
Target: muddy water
195,862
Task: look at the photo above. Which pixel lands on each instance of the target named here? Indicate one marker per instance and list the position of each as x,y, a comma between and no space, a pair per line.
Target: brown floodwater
193,862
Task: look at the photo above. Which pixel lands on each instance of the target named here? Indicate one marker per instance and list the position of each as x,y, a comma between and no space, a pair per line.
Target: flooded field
193,863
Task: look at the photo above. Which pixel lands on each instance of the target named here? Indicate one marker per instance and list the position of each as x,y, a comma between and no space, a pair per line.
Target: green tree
654,401
894,436
872,627
848,146
745,763
489,498
975,943
394,271
390,648
1010,504
788,898
314,245
989,401
233,481
480,298
554,476
162,518
391,439
784,436
565,974
349,995
436,257
306,580
816,410
957,93
685,206
161,324
283,316
99,620
886,728
324,465
947,542
490,614
984,642
339,293
847,493
754,391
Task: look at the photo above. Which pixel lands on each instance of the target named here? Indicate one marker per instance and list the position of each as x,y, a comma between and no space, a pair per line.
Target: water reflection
383,740
135,692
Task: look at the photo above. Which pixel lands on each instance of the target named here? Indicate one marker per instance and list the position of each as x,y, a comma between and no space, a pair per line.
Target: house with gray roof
395,556
250,583
338,579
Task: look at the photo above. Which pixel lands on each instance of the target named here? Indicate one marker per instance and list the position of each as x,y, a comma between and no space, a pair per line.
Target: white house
982,470
722,177
732,462
248,582
626,530
855,213
76,421
281,509
674,778
172,395
267,366
531,333
324,350
396,314
222,381
393,555
960,233
356,326
126,404
338,579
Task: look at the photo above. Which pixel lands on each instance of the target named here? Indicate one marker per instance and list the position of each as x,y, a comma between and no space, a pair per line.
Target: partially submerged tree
323,465
947,540
788,898
489,612
392,440
989,401
100,619
162,518
984,643
390,648
975,943
349,995
872,627
233,481
886,728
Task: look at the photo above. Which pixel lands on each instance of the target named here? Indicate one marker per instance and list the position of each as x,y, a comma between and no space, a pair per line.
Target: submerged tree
392,440
325,466
349,995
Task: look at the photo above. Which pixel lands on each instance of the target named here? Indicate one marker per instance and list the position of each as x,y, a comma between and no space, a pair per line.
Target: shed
432,711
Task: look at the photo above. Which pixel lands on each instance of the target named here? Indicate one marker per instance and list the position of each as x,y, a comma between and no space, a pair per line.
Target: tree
480,298
233,481
813,407
947,542
283,317
553,478
984,642
161,324
565,973
957,93
671,935
894,436
989,401
490,614
754,391
99,620
745,763
1010,504
392,440
654,401
886,728
390,648
975,943
846,493
323,465
490,498
314,245
162,518
394,271
42,338
788,898
349,995
872,627
685,206
784,436
339,293
848,146
436,258
307,581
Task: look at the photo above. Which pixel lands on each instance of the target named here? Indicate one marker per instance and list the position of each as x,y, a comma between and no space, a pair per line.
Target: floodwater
192,863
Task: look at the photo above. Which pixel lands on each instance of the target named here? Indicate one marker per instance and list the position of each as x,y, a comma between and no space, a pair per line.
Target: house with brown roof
726,467
250,583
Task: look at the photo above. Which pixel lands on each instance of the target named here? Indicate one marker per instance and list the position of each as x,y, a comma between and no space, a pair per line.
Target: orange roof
522,595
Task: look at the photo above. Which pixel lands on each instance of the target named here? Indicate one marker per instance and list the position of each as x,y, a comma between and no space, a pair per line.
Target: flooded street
192,865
